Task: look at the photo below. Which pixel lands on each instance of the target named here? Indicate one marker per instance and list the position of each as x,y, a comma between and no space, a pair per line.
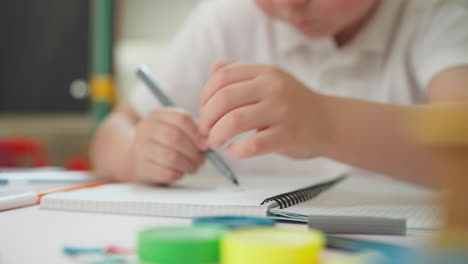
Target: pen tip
235,182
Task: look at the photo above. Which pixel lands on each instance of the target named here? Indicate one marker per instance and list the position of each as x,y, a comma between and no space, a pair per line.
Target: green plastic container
180,245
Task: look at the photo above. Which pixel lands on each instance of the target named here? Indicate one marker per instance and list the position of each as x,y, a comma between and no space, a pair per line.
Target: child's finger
227,75
243,119
226,100
182,121
153,173
176,139
170,158
261,143
220,65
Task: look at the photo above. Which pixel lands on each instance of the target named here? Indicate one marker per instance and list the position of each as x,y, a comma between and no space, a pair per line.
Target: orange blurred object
72,188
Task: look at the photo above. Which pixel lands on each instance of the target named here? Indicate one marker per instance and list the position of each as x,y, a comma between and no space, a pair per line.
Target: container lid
180,245
234,222
272,246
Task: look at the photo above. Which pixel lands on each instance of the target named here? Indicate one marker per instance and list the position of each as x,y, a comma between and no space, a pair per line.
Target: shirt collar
287,37
374,37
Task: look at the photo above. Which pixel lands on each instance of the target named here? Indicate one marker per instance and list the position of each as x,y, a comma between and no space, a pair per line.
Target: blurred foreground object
266,245
442,126
445,129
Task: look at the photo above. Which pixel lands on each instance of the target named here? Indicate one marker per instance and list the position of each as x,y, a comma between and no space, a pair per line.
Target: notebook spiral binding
301,195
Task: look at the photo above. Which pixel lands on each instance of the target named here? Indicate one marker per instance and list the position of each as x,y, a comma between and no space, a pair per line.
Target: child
308,78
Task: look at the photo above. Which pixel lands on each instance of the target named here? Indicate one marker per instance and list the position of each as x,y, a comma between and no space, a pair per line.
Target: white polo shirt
392,60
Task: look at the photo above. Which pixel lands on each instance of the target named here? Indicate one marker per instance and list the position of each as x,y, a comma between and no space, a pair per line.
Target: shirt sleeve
443,42
184,68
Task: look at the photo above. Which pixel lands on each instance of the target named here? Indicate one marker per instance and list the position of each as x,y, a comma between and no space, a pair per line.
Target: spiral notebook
259,196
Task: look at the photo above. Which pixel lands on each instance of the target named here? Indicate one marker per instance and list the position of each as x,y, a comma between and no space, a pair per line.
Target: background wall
154,20
146,27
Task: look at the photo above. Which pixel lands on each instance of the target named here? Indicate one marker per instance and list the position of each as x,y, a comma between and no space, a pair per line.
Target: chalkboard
44,49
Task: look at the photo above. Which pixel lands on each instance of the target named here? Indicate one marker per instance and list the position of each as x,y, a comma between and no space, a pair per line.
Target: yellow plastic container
271,246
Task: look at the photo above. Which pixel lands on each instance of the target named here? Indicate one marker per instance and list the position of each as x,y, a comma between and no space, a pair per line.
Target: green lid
180,245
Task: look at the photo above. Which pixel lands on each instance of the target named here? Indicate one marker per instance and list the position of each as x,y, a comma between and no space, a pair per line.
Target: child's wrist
328,124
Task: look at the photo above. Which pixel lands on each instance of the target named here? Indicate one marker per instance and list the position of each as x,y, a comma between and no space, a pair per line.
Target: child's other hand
167,146
290,119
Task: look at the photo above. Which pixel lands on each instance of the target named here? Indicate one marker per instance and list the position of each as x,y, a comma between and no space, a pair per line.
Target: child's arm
296,122
109,151
385,143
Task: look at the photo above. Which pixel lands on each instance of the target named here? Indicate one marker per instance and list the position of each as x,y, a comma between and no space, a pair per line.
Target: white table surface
32,235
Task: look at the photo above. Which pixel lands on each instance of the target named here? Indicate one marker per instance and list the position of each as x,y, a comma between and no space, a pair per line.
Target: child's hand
166,147
289,118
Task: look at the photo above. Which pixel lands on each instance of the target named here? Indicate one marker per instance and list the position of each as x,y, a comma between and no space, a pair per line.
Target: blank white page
372,196
194,196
